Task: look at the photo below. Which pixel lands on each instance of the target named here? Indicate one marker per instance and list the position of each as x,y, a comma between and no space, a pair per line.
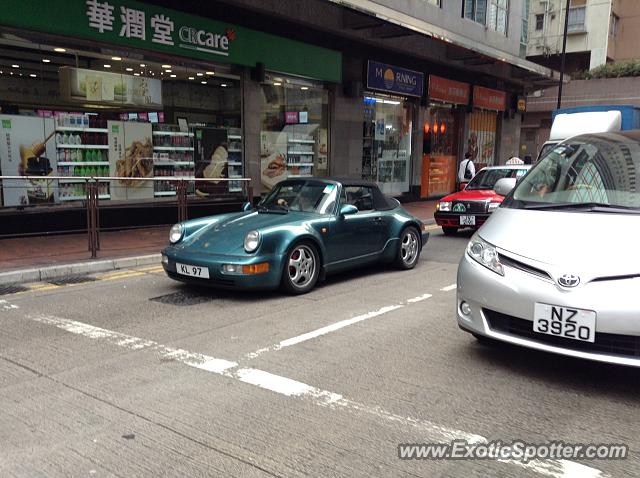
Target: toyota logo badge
568,280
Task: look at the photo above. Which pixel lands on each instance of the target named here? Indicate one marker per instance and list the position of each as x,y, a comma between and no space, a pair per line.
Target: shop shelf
300,164
305,141
173,148
234,136
83,163
168,162
77,180
164,193
234,163
172,133
83,146
82,198
300,176
306,153
235,190
234,150
80,128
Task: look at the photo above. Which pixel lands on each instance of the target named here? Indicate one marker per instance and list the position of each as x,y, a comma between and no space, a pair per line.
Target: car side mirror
247,206
504,186
348,209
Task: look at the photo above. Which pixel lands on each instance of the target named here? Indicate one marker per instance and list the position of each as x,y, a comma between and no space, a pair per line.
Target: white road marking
449,288
323,331
6,305
292,388
420,298
201,361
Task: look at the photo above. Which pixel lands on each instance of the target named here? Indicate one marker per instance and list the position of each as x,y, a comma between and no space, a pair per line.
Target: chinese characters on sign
448,90
489,99
133,21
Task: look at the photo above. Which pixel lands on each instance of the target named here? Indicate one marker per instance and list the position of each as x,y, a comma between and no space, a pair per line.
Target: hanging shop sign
489,99
101,87
393,79
448,91
140,26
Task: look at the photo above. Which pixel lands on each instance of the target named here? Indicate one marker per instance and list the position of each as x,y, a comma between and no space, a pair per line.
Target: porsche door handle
377,219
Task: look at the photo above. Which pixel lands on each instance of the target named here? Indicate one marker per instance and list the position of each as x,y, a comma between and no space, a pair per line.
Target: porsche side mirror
348,209
504,186
247,206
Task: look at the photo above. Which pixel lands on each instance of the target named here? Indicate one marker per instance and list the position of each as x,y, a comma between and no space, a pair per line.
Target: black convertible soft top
380,201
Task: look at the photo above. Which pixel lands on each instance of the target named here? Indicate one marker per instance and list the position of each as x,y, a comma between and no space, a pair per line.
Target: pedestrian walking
466,170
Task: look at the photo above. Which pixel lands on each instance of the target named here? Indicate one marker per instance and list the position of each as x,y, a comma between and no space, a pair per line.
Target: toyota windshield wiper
583,207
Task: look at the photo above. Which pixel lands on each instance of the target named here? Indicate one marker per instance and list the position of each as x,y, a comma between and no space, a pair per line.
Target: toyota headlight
175,234
485,254
444,206
251,241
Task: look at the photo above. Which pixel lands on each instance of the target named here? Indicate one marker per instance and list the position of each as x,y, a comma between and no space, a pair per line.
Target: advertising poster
211,158
130,156
481,138
273,148
322,150
27,148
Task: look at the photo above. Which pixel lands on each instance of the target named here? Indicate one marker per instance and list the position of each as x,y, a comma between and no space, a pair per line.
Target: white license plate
192,271
567,322
467,220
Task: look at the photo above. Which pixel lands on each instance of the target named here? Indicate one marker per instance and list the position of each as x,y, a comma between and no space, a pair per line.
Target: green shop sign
138,25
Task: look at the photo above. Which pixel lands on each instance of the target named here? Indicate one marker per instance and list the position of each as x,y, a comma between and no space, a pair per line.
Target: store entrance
386,154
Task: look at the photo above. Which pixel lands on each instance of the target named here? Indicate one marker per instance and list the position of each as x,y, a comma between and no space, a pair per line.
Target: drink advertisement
211,158
27,148
130,156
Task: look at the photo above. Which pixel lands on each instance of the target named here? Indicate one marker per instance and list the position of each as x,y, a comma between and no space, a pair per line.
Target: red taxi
471,206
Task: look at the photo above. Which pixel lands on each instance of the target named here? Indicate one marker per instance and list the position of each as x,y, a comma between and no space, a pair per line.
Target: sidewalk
43,253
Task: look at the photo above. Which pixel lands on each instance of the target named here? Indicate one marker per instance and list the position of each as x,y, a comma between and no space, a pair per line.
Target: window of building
498,14
294,129
613,28
577,17
475,10
539,22
524,32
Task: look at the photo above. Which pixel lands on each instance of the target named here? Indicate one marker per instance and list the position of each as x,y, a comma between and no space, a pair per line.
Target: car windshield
487,178
304,196
593,172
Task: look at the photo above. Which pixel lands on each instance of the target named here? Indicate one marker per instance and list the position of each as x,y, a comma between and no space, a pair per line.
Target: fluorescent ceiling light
107,66
199,74
192,78
116,58
210,73
15,66
173,76
224,85
32,75
203,82
59,50
136,74
46,60
142,65
166,66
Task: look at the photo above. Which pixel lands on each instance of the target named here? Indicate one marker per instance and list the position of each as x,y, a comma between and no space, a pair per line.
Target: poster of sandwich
27,148
211,161
130,157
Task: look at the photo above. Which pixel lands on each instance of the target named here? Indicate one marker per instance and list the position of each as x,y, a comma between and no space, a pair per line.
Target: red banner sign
489,99
448,90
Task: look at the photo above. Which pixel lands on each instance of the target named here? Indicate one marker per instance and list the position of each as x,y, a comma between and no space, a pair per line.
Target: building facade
598,32
391,91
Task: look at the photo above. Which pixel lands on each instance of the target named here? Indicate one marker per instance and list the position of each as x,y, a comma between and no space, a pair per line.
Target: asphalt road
136,375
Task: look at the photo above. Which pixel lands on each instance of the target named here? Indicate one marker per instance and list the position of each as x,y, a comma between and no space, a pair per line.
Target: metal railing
91,197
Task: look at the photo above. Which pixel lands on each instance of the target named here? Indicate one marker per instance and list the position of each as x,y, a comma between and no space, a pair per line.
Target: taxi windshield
487,178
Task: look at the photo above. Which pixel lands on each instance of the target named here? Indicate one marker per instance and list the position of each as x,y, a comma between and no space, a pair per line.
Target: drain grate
11,289
72,280
184,298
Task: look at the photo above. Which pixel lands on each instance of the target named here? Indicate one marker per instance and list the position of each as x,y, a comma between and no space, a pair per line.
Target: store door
386,155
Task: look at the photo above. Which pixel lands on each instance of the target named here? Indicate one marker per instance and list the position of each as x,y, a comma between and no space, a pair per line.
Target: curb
78,268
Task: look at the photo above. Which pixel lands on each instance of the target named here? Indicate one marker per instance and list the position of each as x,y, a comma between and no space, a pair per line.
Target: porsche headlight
251,241
444,206
485,254
175,234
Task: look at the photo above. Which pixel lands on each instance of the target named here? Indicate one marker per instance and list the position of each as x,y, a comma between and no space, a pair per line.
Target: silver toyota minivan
557,267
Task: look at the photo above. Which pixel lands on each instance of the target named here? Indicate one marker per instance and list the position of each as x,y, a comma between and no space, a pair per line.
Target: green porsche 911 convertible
301,231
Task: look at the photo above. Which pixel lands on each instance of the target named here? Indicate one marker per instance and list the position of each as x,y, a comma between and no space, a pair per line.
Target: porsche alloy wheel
409,250
301,269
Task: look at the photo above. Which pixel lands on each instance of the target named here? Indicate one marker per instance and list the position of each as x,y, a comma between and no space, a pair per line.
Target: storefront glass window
294,130
387,142
440,151
481,137
72,111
